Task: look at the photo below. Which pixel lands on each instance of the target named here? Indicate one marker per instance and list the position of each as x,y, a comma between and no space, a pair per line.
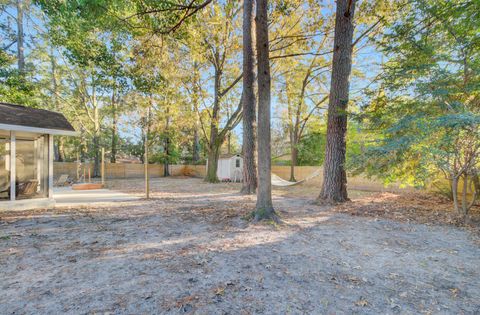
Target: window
237,163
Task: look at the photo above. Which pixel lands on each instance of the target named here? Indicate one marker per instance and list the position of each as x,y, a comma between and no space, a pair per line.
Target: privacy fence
125,171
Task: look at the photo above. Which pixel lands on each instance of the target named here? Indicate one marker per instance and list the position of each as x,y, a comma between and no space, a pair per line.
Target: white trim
56,132
50,166
13,164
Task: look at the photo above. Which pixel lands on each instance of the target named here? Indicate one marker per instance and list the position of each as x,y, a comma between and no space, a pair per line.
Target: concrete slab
67,197
27,204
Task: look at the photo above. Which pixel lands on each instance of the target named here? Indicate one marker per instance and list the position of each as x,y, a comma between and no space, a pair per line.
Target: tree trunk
166,168
145,152
83,148
334,188
464,197
229,143
455,193
264,207
96,156
59,143
196,145
293,152
212,165
61,149
113,148
214,145
96,139
196,136
55,150
294,162
249,185
166,164
20,37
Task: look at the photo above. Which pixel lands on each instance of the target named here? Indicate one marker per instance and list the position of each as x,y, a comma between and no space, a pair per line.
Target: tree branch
228,88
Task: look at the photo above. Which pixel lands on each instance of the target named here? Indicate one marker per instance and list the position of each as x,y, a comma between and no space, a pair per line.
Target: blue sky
367,60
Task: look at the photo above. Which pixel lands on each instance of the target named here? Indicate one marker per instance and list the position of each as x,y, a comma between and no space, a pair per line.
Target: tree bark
145,153
113,148
20,37
214,144
196,144
334,188
61,149
196,136
294,162
264,207
249,185
166,168
212,165
454,182
59,143
96,136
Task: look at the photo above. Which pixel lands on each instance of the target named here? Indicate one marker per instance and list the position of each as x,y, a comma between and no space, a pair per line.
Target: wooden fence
119,171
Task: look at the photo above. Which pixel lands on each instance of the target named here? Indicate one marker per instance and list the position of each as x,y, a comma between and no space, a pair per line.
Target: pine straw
409,207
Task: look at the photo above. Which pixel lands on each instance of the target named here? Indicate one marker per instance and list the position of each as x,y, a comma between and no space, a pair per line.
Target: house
230,167
26,155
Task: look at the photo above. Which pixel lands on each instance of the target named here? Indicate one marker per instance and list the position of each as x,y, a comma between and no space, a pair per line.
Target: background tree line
411,90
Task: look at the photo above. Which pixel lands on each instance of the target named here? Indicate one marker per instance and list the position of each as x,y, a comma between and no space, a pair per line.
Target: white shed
230,167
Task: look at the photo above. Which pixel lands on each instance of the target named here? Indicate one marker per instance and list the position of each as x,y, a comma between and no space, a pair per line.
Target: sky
367,60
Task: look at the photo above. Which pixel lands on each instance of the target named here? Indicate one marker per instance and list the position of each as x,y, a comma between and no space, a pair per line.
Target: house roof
21,118
228,156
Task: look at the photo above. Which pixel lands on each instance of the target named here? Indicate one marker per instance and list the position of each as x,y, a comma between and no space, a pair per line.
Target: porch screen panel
32,167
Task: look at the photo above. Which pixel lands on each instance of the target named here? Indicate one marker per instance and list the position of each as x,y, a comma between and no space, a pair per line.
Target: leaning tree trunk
334,188
249,185
264,207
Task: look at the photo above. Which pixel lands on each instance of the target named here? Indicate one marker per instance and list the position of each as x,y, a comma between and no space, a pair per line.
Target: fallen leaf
362,302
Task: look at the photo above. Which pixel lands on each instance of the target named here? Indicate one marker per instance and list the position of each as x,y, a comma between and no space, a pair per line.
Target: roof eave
56,132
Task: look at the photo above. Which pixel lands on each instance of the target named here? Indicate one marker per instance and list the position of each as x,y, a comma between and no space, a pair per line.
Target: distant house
26,155
230,167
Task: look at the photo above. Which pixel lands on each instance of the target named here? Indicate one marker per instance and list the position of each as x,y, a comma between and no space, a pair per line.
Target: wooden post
13,159
78,167
88,164
103,166
145,158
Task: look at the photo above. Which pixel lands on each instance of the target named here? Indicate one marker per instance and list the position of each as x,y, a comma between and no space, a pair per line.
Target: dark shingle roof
12,114
228,156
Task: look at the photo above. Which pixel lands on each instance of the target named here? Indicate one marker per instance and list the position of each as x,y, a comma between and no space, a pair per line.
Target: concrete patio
67,197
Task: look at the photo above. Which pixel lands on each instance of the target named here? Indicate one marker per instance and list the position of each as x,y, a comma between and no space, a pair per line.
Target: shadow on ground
190,251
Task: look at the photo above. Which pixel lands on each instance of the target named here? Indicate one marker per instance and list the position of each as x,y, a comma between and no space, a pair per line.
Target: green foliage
427,106
311,149
15,87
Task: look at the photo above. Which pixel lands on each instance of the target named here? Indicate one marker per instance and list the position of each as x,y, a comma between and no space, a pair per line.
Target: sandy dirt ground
191,250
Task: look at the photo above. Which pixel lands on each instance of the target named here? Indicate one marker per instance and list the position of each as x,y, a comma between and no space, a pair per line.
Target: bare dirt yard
191,250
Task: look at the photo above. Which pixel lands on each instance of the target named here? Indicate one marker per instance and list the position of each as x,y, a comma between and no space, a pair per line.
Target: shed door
223,171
